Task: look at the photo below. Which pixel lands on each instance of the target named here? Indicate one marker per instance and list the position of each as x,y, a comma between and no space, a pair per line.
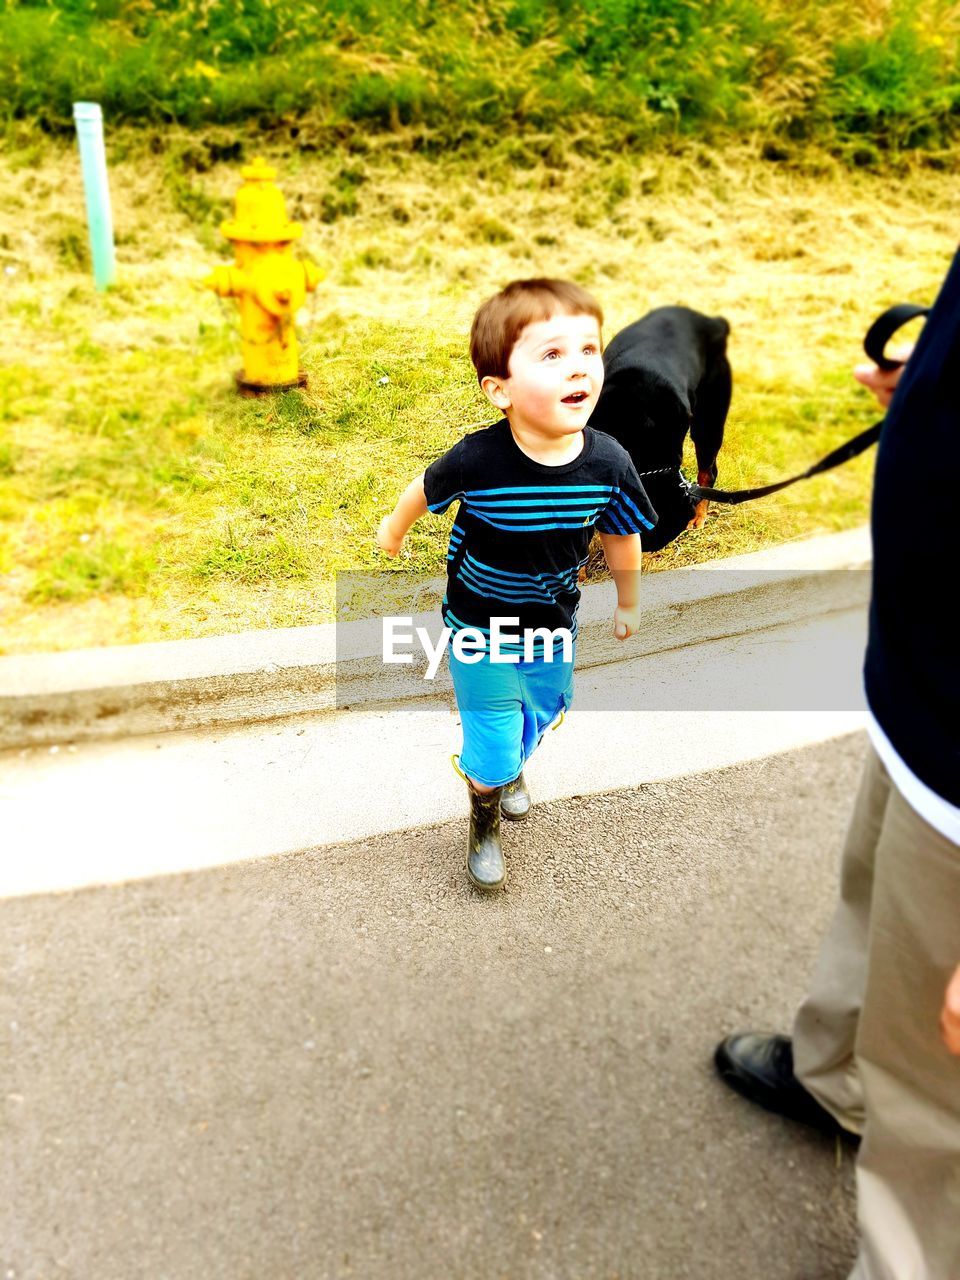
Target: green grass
459,72
141,499
106,567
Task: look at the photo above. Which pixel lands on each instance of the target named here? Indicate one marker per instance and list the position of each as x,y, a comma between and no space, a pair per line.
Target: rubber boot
485,865
515,801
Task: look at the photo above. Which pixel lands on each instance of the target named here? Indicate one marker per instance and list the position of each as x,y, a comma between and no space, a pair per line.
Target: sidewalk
277,1033
100,812
344,1064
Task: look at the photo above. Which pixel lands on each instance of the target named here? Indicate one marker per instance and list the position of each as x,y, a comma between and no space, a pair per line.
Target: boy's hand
626,622
387,540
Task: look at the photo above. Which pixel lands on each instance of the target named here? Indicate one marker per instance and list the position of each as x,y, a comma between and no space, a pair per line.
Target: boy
531,488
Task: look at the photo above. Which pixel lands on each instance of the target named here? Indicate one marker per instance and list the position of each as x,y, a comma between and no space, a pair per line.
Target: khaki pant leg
908,1171
825,1027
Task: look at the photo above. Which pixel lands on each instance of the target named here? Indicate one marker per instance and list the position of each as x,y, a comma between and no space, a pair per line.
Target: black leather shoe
760,1069
515,801
485,864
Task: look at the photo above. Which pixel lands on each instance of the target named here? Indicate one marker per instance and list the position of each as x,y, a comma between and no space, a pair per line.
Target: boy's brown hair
502,318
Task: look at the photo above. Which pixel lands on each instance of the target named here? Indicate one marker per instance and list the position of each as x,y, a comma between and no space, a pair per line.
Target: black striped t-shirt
523,528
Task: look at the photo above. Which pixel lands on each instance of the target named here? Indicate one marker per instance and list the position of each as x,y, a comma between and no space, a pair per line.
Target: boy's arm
623,555
411,505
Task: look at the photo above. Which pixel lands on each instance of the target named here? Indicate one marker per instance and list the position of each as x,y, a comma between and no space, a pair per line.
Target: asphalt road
344,1063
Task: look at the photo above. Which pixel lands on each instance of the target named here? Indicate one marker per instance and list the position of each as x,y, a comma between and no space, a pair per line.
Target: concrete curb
263,675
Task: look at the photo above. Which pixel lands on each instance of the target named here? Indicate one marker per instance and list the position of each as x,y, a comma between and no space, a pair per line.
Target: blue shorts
505,709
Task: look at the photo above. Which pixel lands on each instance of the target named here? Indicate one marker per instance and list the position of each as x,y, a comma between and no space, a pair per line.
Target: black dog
665,375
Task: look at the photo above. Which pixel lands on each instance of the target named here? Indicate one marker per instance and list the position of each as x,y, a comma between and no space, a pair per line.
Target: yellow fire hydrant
270,285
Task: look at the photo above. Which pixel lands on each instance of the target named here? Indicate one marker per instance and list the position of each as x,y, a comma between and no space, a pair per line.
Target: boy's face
555,373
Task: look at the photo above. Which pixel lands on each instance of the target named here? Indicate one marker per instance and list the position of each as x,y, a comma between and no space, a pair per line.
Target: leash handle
883,329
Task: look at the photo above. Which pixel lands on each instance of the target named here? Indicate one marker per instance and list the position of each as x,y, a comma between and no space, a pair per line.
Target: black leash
878,335
846,451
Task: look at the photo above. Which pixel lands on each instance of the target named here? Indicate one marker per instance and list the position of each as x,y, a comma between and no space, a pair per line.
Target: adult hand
950,1017
882,382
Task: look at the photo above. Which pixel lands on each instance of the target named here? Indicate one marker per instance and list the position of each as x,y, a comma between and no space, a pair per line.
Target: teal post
93,159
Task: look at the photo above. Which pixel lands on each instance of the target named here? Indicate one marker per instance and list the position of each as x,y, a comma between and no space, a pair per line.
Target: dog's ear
720,331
